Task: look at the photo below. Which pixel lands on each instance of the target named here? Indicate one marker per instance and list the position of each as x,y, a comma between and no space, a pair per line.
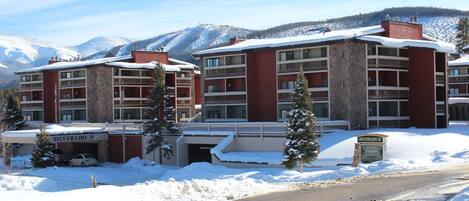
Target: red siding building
105,90
388,75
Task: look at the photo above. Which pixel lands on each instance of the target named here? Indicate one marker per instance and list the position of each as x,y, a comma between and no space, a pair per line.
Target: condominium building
458,83
388,75
105,90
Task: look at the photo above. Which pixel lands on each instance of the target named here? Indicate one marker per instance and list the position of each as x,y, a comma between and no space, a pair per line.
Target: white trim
228,93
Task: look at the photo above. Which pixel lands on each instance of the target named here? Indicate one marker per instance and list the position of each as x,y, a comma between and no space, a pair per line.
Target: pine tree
301,144
169,112
462,33
154,126
10,115
42,154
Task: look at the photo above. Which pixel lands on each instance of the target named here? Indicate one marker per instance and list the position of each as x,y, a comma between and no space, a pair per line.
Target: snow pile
408,147
399,43
150,167
462,196
463,61
458,100
53,129
9,183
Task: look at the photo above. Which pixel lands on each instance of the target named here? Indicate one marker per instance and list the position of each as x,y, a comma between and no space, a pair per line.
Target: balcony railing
73,104
307,67
132,81
32,106
225,99
181,82
31,86
388,94
224,72
73,83
458,79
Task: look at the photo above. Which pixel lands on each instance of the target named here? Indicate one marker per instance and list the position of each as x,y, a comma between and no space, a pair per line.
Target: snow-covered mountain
19,53
181,44
437,22
99,44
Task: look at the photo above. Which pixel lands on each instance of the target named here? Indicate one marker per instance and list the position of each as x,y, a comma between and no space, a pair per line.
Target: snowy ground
408,150
462,196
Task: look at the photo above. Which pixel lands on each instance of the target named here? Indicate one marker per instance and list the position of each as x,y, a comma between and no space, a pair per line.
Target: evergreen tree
10,115
169,112
301,145
155,107
462,33
42,154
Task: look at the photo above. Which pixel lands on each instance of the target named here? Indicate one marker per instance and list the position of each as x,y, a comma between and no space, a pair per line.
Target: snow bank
462,196
413,147
456,100
463,61
399,43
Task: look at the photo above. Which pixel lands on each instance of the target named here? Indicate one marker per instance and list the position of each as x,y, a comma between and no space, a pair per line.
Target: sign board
377,139
371,153
78,137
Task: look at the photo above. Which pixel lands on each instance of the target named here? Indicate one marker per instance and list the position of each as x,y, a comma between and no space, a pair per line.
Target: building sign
78,137
371,153
372,147
370,139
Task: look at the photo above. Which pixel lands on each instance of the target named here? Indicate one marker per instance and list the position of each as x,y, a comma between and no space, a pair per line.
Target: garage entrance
86,148
200,153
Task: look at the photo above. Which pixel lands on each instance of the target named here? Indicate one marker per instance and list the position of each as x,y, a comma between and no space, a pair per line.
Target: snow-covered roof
175,66
463,61
53,130
457,100
296,40
150,65
74,64
398,43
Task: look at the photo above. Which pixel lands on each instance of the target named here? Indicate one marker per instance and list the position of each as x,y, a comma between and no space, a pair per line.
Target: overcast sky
70,22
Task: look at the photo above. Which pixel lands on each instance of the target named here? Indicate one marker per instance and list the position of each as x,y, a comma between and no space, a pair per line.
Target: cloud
18,7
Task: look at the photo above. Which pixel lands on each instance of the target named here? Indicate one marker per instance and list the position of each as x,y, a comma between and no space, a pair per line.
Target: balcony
459,79
31,86
72,104
315,96
225,72
73,83
307,67
388,94
234,99
184,103
183,82
133,81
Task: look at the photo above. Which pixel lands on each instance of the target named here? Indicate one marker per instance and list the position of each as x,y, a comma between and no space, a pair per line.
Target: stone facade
348,83
99,93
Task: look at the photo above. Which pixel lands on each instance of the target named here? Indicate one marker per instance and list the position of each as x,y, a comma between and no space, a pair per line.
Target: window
213,88
214,62
236,112
372,109
215,112
79,73
454,72
321,110
371,49
314,53
36,77
235,60
117,114
385,51
290,55
388,109
133,73
131,114
454,91
26,78
66,115
65,75
283,110
37,116
288,84
79,115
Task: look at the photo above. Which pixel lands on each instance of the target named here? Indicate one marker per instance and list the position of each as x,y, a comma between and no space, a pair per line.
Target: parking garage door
200,153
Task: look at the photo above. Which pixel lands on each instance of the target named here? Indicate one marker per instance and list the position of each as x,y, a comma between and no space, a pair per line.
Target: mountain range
18,53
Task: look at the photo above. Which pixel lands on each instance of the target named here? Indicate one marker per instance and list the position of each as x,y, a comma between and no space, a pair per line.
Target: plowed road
432,185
